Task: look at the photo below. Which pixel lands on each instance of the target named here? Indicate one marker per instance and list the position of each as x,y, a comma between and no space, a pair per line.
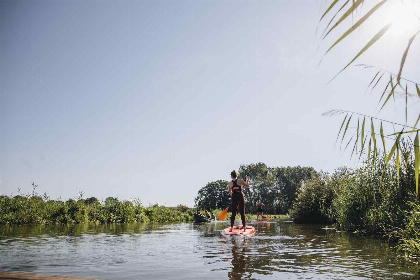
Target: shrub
313,203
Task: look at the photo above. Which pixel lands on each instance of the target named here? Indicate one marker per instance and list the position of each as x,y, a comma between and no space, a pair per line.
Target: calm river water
279,250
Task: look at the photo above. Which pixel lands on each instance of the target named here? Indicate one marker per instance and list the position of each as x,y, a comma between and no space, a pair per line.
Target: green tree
276,187
313,204
288,181
214,195
262,179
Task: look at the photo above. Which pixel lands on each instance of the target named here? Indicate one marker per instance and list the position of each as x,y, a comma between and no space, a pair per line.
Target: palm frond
356,25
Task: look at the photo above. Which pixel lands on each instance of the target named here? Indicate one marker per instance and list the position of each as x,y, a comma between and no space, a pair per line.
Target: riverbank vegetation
34,209
375,198
382,195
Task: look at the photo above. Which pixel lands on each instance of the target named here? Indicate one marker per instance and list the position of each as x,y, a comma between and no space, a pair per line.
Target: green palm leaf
368,45
391,93
329,8
345,15
416,162
377,82
373,137
391,153
341,127
383,138
418,119
405,132
363,134
357,139
387,85
332,19
405,55
348,143
377,73
357,24
397,162
347,126
406,104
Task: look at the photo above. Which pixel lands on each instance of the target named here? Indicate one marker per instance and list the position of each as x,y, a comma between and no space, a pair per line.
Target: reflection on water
239,261
186,251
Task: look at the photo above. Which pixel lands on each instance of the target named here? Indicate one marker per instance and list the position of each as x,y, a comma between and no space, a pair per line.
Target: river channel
278,250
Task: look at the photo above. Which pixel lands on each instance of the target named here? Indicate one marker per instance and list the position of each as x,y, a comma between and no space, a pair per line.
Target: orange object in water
239,231
223,214
267,217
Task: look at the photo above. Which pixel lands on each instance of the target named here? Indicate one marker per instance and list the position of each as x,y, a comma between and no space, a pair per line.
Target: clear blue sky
153,99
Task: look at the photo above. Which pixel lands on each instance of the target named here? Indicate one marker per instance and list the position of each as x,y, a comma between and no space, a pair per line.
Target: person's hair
234,174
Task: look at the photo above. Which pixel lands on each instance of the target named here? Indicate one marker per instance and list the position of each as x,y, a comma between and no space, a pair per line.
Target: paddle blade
223,214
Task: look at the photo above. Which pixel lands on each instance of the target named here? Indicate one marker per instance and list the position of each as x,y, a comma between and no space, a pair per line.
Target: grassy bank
375,199
33,209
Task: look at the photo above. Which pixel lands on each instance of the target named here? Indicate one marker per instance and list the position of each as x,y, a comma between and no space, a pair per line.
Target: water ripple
186,251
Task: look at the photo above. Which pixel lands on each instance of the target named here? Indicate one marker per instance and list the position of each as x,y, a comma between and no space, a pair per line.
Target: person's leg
242,211
234,207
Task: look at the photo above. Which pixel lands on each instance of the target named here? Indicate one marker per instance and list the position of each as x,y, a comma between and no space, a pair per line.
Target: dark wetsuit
238,203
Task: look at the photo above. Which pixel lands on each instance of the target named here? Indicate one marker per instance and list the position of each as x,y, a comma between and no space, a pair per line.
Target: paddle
223,214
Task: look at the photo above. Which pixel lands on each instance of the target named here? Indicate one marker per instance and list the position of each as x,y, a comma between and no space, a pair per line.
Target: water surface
279,250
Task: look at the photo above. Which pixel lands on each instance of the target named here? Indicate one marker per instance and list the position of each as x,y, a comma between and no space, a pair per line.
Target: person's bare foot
231,228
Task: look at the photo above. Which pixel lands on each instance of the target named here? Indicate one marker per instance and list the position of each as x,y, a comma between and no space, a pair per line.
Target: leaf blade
405,55
329,8
416,163
383,138
347,126
345,15
356,25
391,153
368,45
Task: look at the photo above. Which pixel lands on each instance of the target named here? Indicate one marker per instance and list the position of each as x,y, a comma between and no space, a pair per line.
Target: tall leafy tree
214,195
288,181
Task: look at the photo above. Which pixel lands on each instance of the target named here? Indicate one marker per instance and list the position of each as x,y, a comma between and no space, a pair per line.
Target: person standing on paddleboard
238,199
260,208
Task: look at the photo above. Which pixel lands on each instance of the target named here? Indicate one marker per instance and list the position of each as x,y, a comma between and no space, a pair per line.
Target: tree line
276,187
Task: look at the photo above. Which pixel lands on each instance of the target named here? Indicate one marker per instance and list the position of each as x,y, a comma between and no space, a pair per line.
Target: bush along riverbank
376,198
34,209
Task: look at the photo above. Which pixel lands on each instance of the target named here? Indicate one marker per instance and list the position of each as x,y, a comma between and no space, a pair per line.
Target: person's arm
230,188
243,183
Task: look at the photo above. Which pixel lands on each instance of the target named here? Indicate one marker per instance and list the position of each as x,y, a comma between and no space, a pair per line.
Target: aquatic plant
409,242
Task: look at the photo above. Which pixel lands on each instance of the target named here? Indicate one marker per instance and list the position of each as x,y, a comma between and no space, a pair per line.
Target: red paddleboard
239,231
